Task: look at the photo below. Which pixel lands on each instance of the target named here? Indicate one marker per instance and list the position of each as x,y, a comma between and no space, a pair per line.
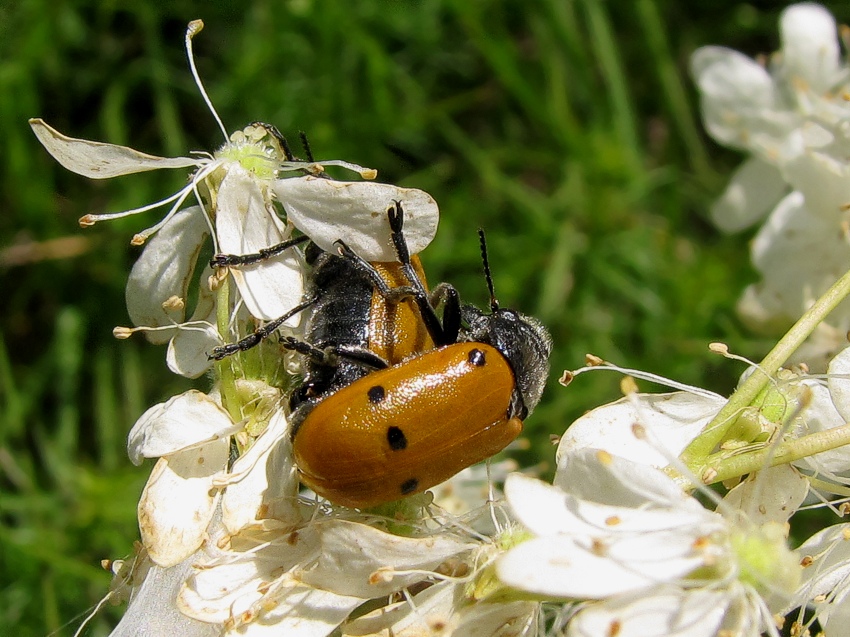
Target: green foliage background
567,128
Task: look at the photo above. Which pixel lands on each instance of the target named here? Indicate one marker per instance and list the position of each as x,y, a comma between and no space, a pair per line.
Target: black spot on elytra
476,357
376,394
396,438
409,486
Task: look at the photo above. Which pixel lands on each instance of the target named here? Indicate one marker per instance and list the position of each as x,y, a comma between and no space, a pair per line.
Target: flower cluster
791,116
627,541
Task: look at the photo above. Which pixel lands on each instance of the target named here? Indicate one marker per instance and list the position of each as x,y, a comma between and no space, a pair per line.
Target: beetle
403,429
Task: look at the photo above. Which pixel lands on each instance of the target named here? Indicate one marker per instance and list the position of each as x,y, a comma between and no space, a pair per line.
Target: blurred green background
568,129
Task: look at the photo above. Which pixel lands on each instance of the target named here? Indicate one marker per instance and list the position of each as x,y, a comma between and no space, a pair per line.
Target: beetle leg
446,295
229,260
331,355
254,339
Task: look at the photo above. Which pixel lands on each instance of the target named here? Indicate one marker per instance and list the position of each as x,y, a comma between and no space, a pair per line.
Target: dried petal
98,160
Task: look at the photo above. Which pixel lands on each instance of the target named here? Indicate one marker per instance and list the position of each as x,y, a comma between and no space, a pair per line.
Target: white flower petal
783,252
595,476
548,510
301,611
152,611
356,212
663,612
810,49
755,188
164,270
761,309
838,382
672,420
97,160
433,606
440,605
185,421
188,352
555,566
245,224
823,180
736,94
770,495
232,581
267,485
822,415
178,502
351,553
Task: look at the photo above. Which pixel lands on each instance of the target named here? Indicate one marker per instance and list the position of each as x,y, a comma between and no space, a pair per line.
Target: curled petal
179,500
184,422
356,212
188,351
98,160
164,271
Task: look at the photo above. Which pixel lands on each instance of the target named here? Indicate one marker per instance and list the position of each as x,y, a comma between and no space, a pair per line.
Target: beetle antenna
305,143
494,303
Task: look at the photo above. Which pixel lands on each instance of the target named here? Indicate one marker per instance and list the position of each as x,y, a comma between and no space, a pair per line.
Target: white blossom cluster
791,113
627,541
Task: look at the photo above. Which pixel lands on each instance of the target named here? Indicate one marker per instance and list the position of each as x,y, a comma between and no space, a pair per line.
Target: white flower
792,117
745,106
240,194
190,434
656,560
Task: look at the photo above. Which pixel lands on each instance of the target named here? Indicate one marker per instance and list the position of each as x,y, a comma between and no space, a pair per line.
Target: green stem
227,380
715,432
783,453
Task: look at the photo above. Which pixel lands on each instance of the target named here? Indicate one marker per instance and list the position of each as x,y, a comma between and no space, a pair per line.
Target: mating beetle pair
396,400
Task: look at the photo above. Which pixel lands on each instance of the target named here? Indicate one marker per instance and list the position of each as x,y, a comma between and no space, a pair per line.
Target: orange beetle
406,428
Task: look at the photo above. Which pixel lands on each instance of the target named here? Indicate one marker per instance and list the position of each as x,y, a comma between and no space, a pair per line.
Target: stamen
195,27
318,167
653,378
90,220
140,237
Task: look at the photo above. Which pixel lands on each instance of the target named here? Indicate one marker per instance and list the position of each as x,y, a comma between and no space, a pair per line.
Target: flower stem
782,453
696,453
227,381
